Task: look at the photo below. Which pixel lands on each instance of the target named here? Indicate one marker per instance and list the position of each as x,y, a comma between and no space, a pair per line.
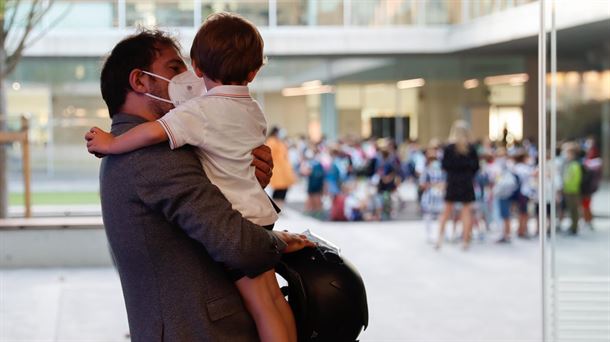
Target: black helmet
326,294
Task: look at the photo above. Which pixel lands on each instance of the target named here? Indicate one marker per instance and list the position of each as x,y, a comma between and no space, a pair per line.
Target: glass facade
172,13
257,11
74,14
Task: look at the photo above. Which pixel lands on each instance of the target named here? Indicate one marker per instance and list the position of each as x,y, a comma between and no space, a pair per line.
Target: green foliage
57,198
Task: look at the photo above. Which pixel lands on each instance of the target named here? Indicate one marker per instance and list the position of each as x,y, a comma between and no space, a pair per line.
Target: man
172,232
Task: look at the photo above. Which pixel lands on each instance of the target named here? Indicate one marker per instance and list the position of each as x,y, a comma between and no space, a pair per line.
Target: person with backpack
506,189
312,169
591,177
524,172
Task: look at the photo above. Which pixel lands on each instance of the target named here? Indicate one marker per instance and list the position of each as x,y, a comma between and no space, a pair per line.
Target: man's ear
136,82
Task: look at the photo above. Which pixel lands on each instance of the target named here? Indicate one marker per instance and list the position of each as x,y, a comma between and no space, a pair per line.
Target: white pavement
489,293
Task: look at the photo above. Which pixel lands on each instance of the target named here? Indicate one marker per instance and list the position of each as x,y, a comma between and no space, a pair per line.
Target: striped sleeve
184,125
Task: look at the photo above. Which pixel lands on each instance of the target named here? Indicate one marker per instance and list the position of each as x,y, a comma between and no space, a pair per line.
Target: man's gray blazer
169,229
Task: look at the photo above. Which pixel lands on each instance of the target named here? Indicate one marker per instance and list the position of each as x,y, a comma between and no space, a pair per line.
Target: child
572,176
432,184
225,124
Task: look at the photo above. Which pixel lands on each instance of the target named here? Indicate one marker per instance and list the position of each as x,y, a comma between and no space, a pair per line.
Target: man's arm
174,183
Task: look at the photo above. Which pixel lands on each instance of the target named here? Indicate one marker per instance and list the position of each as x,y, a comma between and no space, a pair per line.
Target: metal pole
121,10
347,12
197,18
272,13
25,150
553,171
542,156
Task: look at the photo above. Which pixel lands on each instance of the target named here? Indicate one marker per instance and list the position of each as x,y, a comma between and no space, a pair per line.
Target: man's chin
161,109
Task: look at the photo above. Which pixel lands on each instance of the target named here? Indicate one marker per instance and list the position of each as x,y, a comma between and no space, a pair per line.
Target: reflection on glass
384,12
257,11
329,12
79,14
176,13
292,12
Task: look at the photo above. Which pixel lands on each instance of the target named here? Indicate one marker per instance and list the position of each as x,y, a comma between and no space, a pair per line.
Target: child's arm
143,135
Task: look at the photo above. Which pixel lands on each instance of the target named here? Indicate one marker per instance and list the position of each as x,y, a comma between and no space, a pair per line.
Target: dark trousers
573,204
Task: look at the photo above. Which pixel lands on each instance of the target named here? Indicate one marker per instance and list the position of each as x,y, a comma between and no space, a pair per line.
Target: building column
530,105
328,115
440,107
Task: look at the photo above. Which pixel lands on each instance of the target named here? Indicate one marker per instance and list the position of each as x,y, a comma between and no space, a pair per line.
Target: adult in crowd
283,174
592,175
171,231
460,162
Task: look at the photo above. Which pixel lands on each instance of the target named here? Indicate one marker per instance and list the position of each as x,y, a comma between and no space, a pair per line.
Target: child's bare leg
282,305
260,303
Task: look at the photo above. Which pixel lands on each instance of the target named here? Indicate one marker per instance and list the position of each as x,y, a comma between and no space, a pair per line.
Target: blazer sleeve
174,183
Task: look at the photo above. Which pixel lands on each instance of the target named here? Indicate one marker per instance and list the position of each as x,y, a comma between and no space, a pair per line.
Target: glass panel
292,12
329,12
438,12
173,13
384,12
257,11
79,14
68,14
61,97
579,99
309,12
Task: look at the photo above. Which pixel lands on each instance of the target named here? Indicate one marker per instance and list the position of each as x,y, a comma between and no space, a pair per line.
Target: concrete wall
441,103
289,113
54,248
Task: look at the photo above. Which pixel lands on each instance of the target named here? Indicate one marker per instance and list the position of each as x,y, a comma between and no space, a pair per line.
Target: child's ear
251,75
198,72
136,82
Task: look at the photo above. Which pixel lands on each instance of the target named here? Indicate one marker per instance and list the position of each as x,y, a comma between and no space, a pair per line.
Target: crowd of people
482,184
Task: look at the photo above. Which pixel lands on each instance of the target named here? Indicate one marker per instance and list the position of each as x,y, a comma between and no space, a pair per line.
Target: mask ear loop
154,96
158,98
155,75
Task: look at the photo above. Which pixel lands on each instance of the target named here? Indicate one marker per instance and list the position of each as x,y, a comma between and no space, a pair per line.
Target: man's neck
138,106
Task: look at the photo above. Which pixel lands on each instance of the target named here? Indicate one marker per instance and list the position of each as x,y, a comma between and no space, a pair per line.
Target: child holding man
224,124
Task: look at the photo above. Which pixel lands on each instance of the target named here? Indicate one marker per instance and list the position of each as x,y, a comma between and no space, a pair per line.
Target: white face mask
181,88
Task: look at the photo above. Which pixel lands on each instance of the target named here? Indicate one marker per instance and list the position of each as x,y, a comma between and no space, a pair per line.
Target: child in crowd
572,176
432,185
524,171
225,124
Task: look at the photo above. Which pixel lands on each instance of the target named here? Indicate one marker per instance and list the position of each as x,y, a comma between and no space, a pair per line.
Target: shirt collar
230,91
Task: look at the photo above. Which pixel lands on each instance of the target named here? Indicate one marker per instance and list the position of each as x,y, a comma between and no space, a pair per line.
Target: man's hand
293,241
99,142
263,163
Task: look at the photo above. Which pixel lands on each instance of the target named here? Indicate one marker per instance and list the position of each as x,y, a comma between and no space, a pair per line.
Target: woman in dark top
461,163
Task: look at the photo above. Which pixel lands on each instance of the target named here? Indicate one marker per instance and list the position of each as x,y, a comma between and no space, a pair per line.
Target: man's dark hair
134,52
227,47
